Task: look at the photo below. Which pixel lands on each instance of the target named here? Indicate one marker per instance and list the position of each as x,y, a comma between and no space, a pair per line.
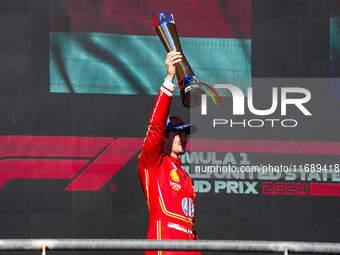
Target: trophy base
191,95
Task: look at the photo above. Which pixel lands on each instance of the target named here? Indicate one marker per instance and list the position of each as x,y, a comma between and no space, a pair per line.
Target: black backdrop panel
289,39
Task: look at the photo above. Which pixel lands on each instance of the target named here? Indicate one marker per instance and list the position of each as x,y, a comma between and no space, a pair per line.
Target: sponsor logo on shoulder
174,182
174,176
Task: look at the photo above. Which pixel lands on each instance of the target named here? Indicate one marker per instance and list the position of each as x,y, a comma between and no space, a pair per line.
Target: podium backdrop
78,81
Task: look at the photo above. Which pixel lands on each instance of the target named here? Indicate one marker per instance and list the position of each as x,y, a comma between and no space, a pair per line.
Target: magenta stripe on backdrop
197,18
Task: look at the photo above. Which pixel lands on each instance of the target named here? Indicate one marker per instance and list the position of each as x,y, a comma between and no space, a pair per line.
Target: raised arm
154,141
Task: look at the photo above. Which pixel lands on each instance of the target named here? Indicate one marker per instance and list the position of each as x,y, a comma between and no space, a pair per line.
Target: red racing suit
167,187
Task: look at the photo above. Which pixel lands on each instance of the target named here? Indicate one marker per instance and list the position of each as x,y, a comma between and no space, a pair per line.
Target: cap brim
188,128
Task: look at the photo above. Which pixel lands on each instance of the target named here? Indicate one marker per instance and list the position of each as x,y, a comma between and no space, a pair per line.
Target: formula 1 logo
89,162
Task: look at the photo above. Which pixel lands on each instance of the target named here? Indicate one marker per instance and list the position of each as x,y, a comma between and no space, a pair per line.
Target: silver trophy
190,88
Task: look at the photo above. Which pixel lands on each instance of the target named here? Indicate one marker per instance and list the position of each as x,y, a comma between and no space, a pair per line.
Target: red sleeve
154,141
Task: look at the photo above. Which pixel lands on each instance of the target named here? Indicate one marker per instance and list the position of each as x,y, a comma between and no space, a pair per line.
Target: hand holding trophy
190,88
